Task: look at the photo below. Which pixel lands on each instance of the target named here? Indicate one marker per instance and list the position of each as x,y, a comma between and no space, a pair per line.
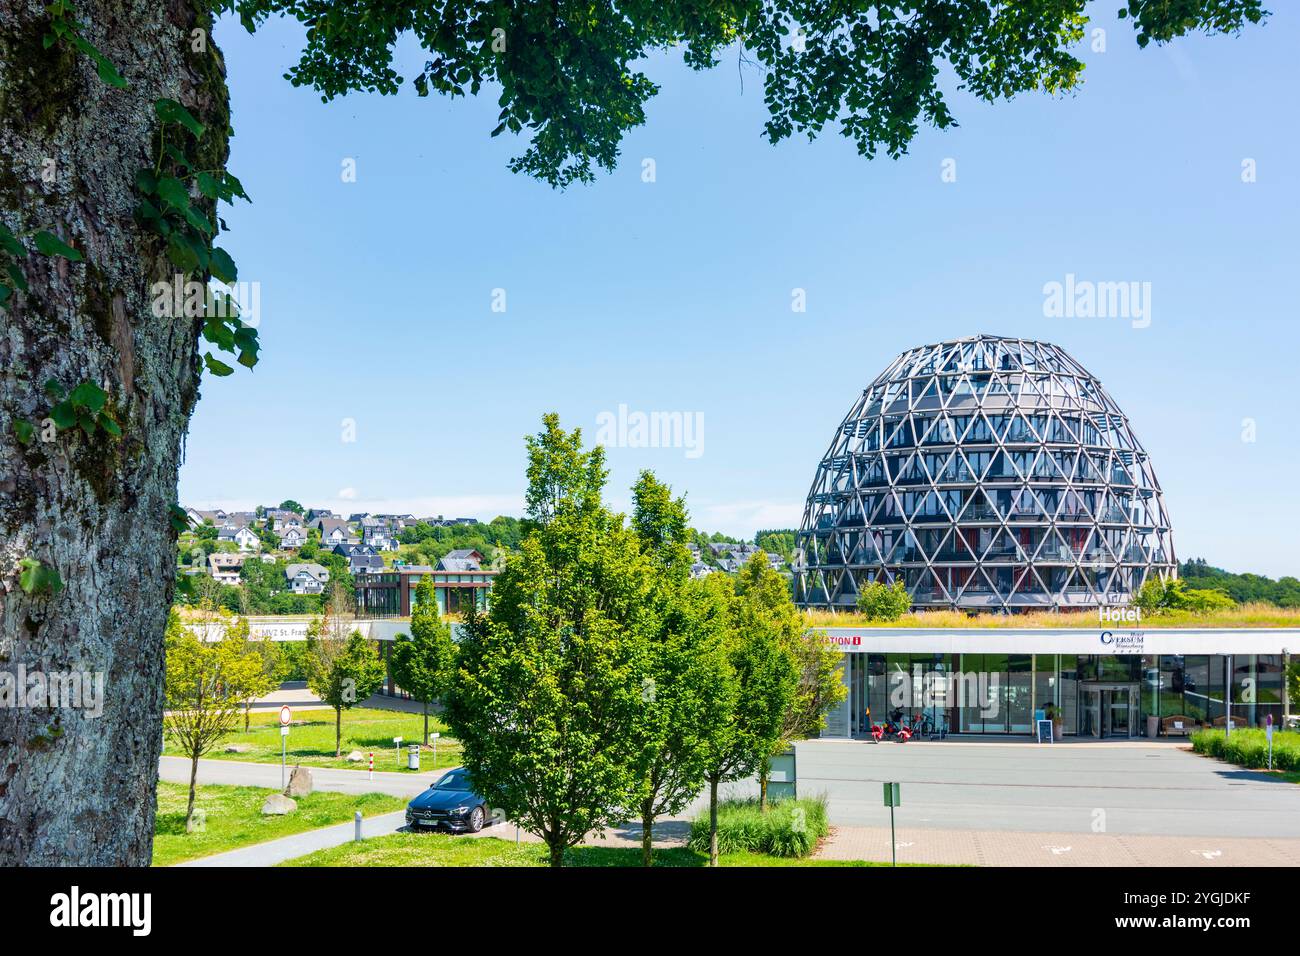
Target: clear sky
676,295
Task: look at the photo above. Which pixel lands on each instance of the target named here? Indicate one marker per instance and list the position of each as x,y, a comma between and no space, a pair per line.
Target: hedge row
788,828
1248,747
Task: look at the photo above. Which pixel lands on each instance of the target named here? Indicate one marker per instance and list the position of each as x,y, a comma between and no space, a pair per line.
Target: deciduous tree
424,664
549,686
684,703
208,679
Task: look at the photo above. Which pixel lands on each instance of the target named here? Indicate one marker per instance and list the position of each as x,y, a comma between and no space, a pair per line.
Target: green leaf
16,274
64,415
103,65
54,389
198,221
179,158
147,211
108,73
169,111
10,244
5,293
223,267
51,245
87,422
173,192
24,430
208,185
36,577
216,366
181,253
88,395
109,424
179,519
234,186
146,182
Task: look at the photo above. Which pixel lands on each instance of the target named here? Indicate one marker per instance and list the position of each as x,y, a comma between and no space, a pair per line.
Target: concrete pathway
241,773
297,696
300,844
1009,848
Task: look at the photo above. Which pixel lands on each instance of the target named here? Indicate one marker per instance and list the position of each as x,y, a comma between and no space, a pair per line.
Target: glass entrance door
1117,707
1090,713
1108,710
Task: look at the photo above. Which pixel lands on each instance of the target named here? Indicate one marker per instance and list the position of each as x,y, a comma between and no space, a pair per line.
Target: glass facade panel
1097,695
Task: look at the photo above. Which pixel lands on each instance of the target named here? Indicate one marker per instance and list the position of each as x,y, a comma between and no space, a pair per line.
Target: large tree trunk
77,789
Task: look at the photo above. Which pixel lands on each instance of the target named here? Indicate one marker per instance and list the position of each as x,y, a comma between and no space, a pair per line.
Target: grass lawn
312,744
234,818
441,849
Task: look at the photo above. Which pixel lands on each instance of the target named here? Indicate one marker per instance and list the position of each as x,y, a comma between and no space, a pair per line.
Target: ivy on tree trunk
77,789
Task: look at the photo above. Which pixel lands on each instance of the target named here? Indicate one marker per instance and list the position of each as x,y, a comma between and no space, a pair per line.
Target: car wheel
476,820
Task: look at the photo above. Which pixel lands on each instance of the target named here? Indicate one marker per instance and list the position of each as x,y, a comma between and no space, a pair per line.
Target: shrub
1248,747
790,828
881,603
1174,595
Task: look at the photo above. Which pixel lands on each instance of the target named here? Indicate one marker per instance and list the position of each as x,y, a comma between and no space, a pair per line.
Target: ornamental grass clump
789,828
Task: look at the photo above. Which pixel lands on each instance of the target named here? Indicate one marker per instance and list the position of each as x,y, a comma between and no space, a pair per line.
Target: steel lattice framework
987,472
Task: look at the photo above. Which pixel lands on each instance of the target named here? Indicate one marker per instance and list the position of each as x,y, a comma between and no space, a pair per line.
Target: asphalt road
1116,788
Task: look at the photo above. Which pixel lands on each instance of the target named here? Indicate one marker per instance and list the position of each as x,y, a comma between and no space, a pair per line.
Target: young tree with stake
208,678
424,664
684,702
761,680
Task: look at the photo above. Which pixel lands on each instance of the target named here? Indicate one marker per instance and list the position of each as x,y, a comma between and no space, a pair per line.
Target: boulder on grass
238,748
355,757
277,805
299,783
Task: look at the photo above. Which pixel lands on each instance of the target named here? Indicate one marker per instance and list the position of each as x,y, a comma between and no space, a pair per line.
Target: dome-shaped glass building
988,473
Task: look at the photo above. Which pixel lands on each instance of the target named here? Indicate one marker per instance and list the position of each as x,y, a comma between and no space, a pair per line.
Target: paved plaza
981,802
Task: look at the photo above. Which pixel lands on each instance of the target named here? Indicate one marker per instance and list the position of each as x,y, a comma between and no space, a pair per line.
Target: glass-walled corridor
1090,695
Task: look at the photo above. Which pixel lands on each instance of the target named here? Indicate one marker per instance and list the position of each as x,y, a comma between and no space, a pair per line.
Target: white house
306,578
292,538
242,536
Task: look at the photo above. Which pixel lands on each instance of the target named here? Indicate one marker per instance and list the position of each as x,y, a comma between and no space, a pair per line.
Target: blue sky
675,295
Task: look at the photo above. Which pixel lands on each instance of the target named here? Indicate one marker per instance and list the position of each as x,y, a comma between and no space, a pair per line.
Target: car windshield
456,780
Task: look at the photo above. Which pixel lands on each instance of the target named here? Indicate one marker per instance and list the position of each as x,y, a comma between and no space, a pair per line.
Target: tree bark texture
77,789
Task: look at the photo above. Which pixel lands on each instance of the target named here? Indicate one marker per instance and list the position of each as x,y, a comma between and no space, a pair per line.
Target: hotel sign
1123,642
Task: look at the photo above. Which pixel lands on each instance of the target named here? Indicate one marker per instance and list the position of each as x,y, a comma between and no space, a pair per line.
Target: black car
450,804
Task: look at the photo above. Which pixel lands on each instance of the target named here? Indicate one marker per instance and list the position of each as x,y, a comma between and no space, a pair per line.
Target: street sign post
434,737
397,745
285,715
893,798
1268,732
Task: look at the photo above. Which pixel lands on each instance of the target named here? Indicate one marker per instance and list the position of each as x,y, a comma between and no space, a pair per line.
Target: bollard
372,766
357,827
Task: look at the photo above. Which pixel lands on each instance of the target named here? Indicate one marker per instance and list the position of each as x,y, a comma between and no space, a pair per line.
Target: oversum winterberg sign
1115,642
